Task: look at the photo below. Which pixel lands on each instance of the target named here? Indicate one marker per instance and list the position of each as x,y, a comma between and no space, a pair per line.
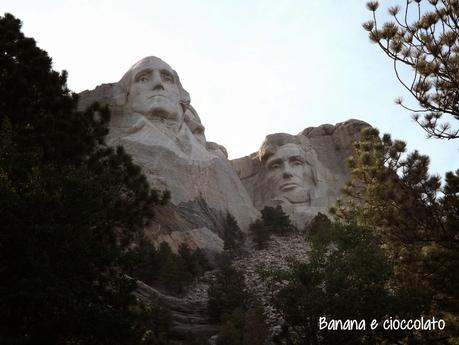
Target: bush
273,221
347,277
233,237
226,293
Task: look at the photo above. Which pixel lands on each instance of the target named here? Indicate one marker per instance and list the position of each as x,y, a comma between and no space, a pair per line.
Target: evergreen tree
260,233
276,220
273,221
345,278
142,262
428,44
70,207
174,271
233,237
192,263
413,215
226,293
200,261
319,224
255,330
229,334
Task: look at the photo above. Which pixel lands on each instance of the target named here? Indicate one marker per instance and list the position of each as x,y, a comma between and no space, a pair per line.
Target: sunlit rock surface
303,173
152,118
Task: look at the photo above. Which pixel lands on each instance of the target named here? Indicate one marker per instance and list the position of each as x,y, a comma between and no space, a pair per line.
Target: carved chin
157,108
294,196
160,112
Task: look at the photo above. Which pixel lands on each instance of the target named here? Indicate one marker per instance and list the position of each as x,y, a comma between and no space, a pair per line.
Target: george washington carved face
154,91
151,88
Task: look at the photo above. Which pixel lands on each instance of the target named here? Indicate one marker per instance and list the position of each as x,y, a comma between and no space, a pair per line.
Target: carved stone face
154,91
288,174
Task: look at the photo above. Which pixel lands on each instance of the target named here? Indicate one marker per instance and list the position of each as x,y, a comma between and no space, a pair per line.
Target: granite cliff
153,119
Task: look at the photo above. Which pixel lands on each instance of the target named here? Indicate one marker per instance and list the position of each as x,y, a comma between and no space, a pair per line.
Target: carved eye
143,79
274,166
297,163
166,76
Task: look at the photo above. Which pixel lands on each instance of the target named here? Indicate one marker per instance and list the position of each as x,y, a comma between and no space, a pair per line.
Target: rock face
188,312
152,118
303,173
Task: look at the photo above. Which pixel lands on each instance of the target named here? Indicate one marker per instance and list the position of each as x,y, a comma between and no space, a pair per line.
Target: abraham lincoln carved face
289,174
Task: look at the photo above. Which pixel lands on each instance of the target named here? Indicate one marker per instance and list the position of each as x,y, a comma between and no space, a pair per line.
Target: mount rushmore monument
152,118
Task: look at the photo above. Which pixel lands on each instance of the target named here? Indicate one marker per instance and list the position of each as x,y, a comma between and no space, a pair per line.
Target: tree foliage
424,35
260,233
273,221
226,293
345,279
70,208
233,237
415,218
255,330
164,269
276,219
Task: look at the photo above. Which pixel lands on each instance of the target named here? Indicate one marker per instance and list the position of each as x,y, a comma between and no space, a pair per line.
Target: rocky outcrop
277,256
189,312
303,173
189,223
334,145
152,118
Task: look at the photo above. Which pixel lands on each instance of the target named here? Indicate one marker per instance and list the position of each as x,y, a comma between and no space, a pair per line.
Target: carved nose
157,83
287,173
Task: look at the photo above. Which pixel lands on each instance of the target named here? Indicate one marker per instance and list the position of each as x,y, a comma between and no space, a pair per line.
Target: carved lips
289,186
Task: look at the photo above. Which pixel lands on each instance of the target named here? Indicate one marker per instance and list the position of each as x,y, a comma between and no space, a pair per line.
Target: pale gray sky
251,67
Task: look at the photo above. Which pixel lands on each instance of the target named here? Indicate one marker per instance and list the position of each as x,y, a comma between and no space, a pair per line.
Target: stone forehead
150,61
291,148
273,142
122,88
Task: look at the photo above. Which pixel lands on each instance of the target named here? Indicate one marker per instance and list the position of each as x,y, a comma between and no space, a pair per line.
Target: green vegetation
393,252
415,218
346,277
273,221
229,305
164,269
424,36
70,207
73,212
233,237
227,293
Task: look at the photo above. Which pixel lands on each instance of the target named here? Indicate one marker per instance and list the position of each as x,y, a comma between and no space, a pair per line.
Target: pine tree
226,293
276,219
345,278
255,330
229,334
393,195
273,221
233,237
429,46
70,208
260,233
